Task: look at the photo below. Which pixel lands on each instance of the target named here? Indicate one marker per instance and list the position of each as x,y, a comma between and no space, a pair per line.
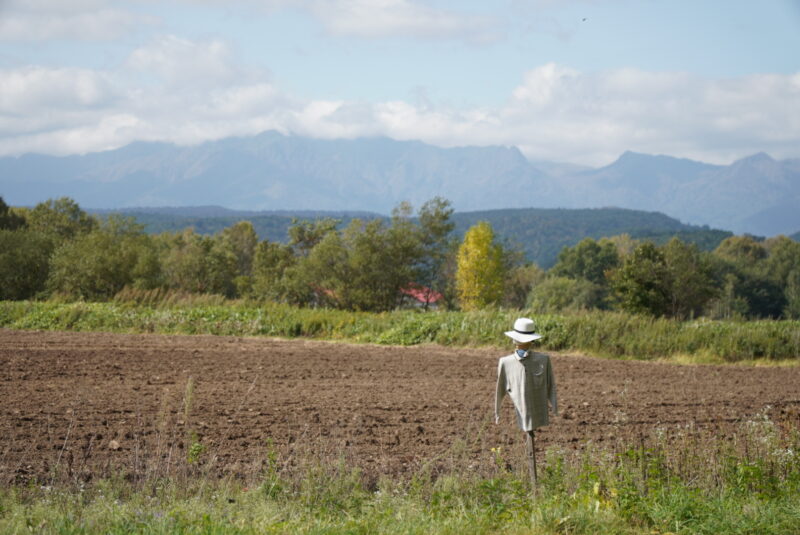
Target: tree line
57,250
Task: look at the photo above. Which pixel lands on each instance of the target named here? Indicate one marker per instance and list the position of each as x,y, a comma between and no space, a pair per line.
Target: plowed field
94,404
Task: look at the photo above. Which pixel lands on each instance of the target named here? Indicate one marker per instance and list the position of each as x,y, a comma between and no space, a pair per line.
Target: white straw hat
524,331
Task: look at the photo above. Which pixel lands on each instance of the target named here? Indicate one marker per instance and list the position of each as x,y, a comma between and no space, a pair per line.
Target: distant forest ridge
540,233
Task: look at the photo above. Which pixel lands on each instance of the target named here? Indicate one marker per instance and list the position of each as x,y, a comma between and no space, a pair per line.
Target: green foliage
198,264
589,260
195,450
24,263
62,218
520,280
691,483
270,264
9,220
642,282
305,235
241,240
369,264
557,294
542,233
690,279
480,275
100,263
612,334
435,230
675,280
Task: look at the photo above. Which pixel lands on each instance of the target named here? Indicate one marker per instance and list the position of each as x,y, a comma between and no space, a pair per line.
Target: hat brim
522,338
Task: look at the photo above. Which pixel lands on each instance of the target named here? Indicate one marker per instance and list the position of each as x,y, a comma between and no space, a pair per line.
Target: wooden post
532,456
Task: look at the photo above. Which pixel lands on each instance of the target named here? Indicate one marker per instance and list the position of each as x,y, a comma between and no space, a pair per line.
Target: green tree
589,260
272,263
325,272
520,281
641,284
792,294
741,250
435,230
752,277
363,267
556,294
198,264
690,279
60,217
305,235
9,220
241,239
480,273
24,263
98,264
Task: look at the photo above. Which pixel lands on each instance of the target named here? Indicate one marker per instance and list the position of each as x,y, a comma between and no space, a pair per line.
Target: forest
56,250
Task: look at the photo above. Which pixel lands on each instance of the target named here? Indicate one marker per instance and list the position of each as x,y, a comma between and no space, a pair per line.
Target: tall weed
612,334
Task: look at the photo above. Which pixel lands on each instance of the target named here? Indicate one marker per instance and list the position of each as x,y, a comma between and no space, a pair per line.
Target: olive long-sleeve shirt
530,384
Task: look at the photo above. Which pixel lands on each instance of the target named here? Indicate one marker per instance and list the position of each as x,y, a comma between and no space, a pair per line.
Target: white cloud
373,19
193,91
388,18
181,62
34,90
83,20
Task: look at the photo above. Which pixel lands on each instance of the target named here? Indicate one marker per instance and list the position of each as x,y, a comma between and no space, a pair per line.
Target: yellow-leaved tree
480,271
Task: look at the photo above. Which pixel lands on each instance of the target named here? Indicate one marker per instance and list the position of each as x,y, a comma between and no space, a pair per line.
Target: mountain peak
759,157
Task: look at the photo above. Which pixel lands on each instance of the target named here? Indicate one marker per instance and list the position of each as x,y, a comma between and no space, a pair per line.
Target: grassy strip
610,334
690,485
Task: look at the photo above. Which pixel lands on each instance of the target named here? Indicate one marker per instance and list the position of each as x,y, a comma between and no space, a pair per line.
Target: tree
792,294
752,276
589,260
520,281
641,284
198,264
305,235
435,228
241,239
24,263
8,219
363,267
270,264
741,250
690,279
556,294
98,264
783,257
480,272
60,217
325,272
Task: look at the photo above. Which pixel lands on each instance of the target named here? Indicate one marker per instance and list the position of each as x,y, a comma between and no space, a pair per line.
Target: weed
611,334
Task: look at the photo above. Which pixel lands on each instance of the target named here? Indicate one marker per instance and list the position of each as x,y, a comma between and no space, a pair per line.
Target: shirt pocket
535,373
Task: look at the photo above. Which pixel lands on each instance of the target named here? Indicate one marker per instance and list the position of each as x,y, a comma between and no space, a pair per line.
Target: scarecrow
527,378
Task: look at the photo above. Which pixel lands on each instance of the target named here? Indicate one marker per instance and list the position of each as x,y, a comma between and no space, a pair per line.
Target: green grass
610,334
689,483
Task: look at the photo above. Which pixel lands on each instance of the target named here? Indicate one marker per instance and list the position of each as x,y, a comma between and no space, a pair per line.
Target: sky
578,81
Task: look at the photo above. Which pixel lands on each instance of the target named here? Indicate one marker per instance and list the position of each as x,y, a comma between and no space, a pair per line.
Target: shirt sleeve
501,389
551,387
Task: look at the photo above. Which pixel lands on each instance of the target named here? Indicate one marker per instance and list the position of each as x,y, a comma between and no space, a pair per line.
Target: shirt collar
521,354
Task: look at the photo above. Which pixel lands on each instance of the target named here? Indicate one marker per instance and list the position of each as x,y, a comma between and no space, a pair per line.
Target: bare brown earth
84,405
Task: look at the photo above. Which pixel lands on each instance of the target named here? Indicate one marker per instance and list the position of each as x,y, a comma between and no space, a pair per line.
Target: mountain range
271,171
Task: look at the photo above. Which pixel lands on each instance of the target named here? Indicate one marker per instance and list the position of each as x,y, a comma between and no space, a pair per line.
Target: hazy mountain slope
753,195
271,171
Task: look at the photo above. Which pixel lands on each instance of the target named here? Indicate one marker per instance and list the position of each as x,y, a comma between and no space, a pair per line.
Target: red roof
423,294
